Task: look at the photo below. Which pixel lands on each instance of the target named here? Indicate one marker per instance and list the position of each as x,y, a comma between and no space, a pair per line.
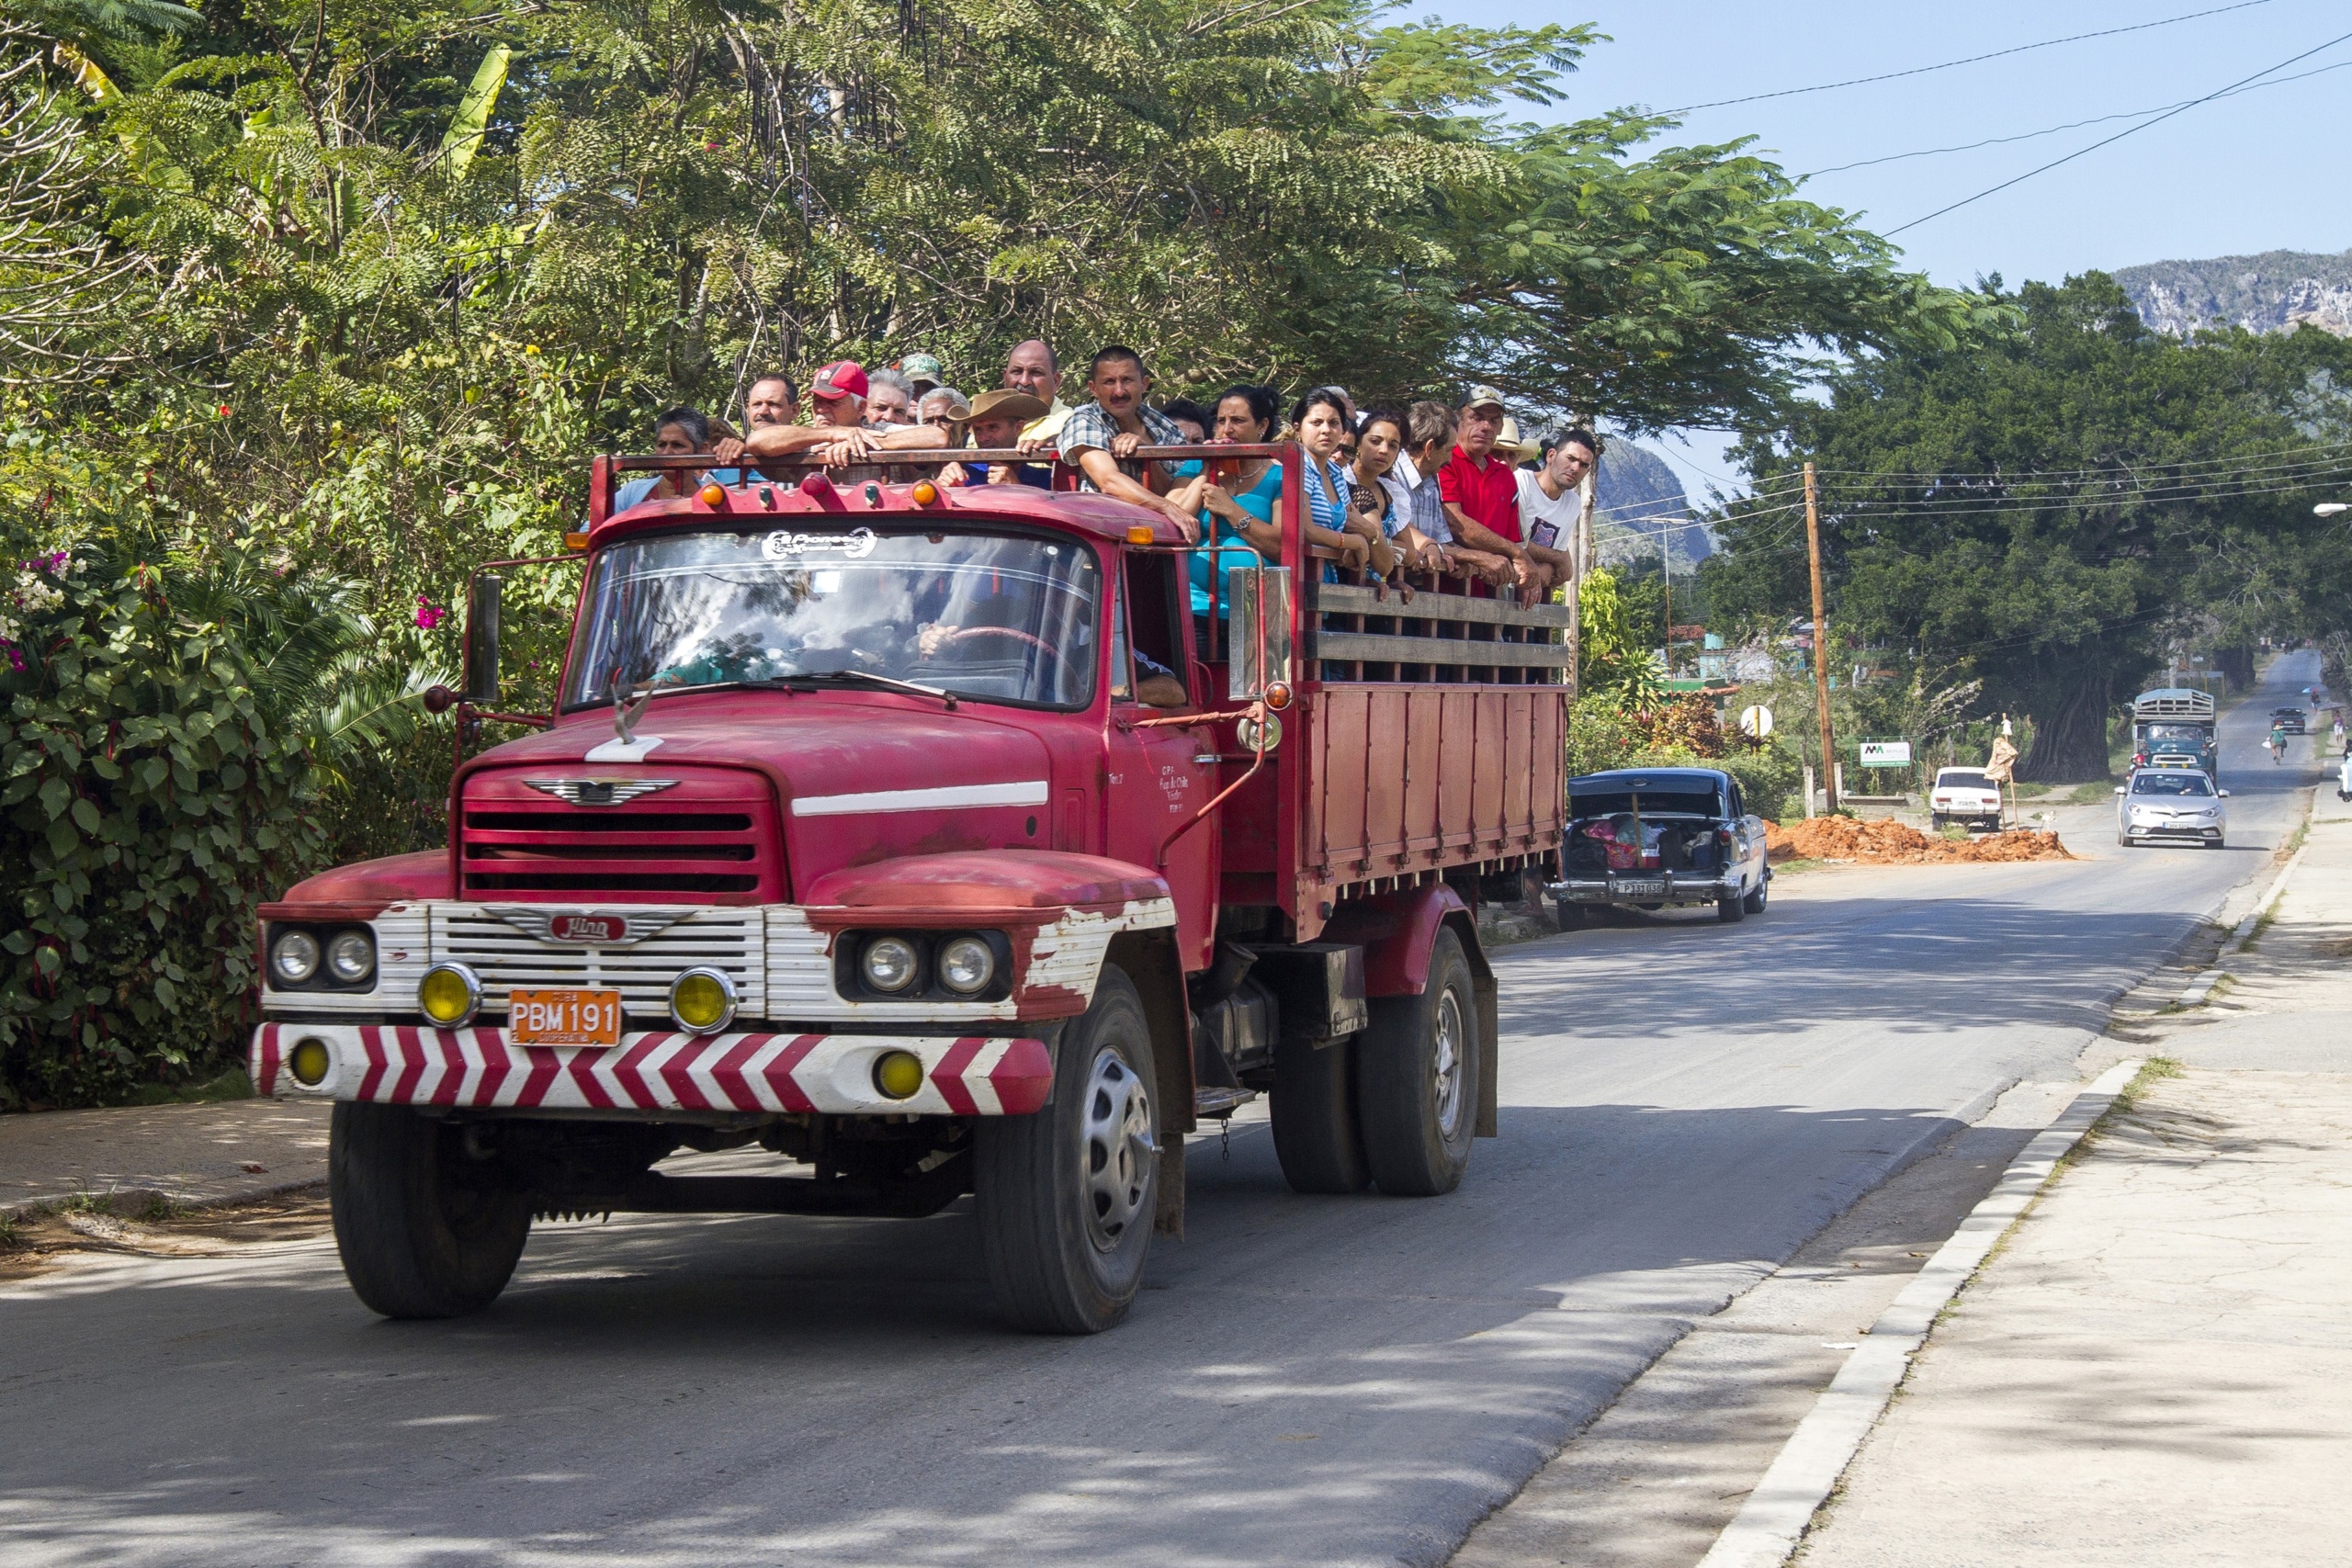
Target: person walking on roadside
2278,743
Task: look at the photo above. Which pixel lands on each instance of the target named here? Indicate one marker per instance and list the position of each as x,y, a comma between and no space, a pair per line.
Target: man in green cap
924,371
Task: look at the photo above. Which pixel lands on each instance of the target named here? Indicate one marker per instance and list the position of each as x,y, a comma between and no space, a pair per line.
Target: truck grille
707,836
505,955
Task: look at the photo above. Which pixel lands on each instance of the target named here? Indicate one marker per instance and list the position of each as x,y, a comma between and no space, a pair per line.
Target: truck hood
853,782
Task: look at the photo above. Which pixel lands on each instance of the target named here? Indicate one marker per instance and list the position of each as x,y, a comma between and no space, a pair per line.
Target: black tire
1568,916
1314,1111
1067,1195
1936,820
1754,903
425,1229
1419,1113
1731,909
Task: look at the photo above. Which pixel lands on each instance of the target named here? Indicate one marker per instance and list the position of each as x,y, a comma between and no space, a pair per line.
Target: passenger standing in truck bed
1100,438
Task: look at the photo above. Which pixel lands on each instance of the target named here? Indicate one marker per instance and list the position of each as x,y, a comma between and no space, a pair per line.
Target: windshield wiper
891,681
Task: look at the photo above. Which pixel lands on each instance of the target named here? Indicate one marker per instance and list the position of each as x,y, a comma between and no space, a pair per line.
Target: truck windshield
1005,617
2174,731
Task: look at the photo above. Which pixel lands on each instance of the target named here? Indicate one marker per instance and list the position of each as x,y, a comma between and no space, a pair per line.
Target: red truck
848,846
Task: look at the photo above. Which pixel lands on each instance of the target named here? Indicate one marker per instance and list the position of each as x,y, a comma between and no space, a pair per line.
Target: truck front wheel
424,1228
1417,1080
1066,1195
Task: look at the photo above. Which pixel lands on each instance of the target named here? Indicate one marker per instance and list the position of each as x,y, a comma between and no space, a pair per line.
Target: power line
2070,125
2028,476
2109,142
1972,60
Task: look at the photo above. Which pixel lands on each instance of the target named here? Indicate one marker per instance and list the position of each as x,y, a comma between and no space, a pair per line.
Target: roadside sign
1886,753
1756,720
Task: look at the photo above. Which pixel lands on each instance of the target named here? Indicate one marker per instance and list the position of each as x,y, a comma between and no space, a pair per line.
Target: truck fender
1150,959
1398,930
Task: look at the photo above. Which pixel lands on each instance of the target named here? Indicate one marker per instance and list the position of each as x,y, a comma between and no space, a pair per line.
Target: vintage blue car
1647,838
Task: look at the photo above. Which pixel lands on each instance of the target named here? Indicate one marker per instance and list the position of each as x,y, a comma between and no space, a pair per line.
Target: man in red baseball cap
840,434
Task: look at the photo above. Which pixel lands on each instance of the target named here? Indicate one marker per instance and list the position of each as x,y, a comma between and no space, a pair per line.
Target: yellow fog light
309,1062
448,994
898,1074
702,1001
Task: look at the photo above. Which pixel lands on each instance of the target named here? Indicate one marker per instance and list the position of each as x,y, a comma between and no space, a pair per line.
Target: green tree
2042,514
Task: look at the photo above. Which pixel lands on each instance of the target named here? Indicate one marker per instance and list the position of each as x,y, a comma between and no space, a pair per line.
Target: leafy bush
165,734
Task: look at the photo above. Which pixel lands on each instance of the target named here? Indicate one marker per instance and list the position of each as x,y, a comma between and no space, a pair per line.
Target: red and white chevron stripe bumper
401,1065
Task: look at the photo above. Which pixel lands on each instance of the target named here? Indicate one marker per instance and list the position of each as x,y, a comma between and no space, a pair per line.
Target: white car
1964,795
2170,805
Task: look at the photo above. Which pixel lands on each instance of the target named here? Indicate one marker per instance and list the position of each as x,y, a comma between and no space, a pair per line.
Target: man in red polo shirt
1480,490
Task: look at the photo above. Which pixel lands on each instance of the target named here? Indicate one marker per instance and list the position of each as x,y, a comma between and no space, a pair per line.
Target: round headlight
966,965
448,994
351,957
897,1074
890,963
294,957
309,1062
702,1001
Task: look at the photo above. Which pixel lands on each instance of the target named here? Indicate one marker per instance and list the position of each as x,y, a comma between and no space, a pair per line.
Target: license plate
564,1018
1632,889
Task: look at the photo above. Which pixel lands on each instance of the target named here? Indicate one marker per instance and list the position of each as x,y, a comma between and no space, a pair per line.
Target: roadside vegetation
308,308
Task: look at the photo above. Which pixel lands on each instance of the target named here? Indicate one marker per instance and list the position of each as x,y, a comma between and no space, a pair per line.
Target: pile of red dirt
1887,842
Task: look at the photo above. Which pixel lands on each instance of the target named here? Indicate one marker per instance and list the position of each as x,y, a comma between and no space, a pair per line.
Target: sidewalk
187,1156
2152,1368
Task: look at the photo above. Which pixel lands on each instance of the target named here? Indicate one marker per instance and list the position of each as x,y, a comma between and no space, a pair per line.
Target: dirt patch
32,1242
1888,842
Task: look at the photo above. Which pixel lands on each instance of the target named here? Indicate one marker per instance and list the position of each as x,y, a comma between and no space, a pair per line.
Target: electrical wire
1972,60
2111,141
2024,475
2070,125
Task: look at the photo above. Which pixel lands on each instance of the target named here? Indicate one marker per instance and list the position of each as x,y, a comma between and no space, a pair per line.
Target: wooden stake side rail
1358,631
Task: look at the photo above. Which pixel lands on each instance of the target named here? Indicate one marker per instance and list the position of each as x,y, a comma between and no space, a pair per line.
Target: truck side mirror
2119,789
482,640
1261,632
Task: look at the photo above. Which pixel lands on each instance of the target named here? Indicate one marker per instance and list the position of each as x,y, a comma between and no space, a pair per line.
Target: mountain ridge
2269,292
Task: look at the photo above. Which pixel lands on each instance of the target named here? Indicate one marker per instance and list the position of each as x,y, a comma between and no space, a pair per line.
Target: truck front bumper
1646,887
479,1067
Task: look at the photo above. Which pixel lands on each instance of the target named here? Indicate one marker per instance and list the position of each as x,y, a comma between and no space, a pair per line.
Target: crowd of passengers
1428,488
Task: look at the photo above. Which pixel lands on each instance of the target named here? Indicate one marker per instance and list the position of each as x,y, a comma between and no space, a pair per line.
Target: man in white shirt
1550,502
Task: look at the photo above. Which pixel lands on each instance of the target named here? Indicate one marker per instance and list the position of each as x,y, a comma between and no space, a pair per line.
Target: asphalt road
1304,1381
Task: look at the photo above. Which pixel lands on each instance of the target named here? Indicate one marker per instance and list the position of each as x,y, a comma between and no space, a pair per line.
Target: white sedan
2173,804
1963,795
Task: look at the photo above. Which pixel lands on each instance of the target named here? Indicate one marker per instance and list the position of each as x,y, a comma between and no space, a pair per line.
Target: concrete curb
130,1202
1776,1514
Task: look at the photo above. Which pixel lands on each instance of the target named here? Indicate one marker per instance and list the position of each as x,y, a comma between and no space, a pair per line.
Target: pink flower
15,657
429,615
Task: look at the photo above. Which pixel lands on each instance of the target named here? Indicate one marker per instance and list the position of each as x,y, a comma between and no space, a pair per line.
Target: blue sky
2262,170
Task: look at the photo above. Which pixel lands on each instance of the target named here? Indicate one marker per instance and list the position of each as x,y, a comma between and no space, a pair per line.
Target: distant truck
850,839
2175,721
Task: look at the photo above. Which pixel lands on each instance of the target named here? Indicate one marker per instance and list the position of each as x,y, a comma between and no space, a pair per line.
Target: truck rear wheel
424,1229
1314,1112
1067,1195
1417,1080
1732,908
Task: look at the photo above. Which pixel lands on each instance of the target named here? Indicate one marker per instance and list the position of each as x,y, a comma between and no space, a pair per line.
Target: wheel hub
1445,1063
1116,1153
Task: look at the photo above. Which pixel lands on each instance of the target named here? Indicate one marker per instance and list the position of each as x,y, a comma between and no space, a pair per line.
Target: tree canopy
2047,510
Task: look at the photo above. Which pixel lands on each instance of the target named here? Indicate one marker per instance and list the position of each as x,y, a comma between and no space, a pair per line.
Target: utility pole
1820,635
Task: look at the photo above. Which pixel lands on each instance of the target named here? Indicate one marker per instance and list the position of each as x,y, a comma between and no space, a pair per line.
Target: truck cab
848,840
2176,724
